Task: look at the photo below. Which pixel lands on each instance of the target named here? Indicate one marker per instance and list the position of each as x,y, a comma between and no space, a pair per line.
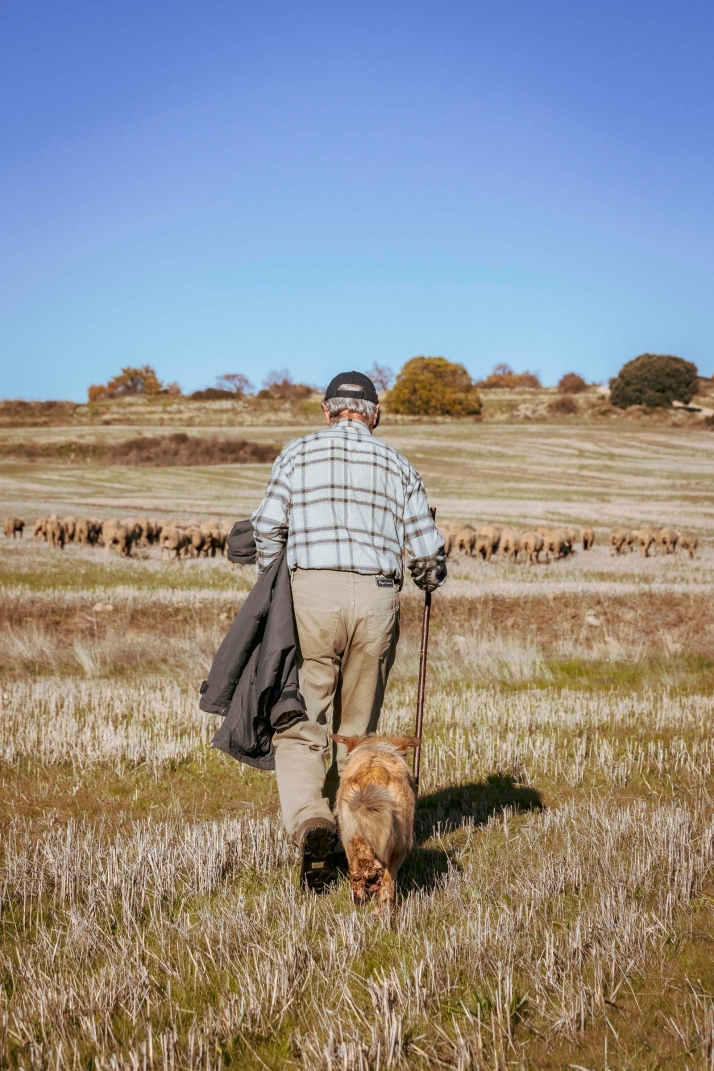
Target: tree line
434,386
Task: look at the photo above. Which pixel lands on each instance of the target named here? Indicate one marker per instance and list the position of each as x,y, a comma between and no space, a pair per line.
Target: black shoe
317,844
340,866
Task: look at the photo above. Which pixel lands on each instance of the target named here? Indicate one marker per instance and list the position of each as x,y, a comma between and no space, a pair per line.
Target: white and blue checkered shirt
343,499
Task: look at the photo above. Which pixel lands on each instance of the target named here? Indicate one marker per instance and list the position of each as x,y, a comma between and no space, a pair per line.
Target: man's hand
429,573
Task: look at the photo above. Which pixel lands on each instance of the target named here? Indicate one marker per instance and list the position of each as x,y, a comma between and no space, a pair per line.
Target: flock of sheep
514,546
180,539
557,543
664,540
195,538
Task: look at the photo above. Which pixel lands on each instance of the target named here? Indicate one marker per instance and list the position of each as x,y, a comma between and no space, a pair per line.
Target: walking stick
421,686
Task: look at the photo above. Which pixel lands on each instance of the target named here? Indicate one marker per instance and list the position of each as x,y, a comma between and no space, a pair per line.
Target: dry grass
175,449
536,918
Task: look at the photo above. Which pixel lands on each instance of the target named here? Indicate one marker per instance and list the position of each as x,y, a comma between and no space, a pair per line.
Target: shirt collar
354,425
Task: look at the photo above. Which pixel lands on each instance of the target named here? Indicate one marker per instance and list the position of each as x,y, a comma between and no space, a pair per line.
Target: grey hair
361,406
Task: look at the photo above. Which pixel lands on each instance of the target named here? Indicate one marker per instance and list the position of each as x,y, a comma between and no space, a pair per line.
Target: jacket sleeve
426,557
270,520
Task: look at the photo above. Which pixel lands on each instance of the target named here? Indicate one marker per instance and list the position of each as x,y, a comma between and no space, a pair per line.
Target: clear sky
236,187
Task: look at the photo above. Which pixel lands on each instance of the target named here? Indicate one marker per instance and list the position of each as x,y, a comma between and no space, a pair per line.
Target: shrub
433,386
654,380
213,394
129,381
503,377
565,405
572,383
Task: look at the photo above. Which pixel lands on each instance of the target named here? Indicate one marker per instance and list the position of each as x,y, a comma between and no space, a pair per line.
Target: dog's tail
372,806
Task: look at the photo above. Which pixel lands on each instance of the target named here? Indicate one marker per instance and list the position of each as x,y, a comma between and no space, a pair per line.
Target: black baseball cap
352,385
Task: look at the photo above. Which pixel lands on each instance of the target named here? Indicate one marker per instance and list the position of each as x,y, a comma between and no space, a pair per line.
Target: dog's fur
375,809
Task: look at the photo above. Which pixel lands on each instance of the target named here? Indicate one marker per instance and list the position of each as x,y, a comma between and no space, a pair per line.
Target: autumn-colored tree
129,381
654,380
234,382
433,386
572,383
279,385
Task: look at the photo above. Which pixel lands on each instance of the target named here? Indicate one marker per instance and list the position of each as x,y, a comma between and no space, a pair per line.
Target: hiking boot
316,837
340,865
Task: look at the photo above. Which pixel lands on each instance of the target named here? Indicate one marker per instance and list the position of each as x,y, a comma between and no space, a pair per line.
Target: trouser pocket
316,629
382,632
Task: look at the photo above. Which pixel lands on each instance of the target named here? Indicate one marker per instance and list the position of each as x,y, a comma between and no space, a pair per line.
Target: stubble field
558,909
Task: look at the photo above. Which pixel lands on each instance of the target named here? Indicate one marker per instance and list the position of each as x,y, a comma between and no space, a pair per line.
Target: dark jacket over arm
253,681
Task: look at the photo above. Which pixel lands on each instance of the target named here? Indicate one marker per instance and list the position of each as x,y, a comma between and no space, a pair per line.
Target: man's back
346,501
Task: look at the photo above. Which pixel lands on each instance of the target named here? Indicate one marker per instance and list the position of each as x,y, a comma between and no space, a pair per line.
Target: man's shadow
449,809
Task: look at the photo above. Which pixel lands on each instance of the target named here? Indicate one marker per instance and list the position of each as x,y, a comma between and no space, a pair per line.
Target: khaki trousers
347,631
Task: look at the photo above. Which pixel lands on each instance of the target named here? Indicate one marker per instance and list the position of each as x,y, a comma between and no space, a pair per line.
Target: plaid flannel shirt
343,499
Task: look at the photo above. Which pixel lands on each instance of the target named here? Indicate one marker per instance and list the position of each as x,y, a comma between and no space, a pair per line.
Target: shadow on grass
450,809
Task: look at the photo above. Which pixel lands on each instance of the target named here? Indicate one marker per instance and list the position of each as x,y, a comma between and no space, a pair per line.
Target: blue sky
227,186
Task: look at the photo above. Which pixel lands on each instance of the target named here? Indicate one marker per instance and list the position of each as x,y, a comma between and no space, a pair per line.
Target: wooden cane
421,686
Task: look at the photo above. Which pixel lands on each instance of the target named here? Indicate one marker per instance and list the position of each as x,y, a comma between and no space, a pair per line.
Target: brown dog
375,808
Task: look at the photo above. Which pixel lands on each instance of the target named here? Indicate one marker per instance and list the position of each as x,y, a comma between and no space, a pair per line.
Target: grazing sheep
587,537
487,541
568,540
644,539
214,536
556,543
618,540
40,529
196,541
70,529
107,532
532,545
510,544
448,530
55,532
465,540
134,529
120,536
688,541
13,525
154,529
667,540
95,530
81,532
173,541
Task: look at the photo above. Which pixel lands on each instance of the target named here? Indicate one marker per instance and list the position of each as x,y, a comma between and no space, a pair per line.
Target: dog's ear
350,742
401,743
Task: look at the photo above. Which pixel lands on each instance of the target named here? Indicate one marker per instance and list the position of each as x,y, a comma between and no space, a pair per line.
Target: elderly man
349,506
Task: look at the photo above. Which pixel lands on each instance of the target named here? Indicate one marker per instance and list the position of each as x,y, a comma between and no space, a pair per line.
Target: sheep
667,540
645,539
465,540
510,544
532,545
618,540
13,525
587,537
688,541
